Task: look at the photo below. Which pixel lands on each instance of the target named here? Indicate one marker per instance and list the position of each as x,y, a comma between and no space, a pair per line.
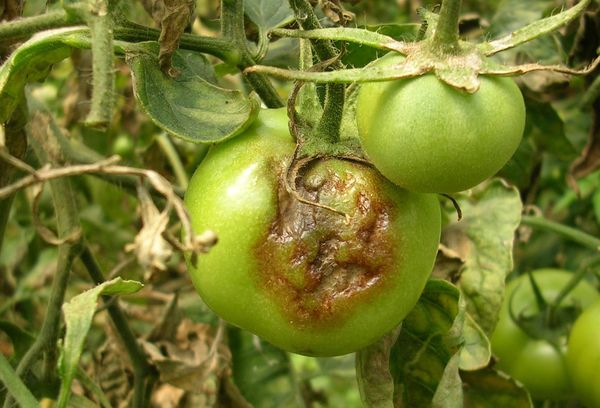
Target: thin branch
570,233
165,143
67,224
191,242
26,27
103,89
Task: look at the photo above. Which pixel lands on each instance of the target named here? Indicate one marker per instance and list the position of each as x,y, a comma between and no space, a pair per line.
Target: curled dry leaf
151,249
195,366
112,369
173,17
448,263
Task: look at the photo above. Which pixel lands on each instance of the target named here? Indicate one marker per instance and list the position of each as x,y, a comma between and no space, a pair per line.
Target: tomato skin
254,276
583,356
535,362
426,136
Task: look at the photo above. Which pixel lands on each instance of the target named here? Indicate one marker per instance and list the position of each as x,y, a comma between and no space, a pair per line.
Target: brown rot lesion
316,264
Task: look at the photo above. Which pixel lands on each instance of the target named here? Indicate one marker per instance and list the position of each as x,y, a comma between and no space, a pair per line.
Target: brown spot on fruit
318,265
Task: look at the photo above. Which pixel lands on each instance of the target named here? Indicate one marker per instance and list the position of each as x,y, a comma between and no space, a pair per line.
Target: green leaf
188,106
548,130
449,392
375,382
261,372
430,337
15,386
484,240
268,14
32,62
520,167
534,30
488,388
79,312
476,350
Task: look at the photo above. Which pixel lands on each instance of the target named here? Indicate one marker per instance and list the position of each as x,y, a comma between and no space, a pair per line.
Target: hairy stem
570,233
446,32
309,21
329,125
25,27
238,54
144,375
103,88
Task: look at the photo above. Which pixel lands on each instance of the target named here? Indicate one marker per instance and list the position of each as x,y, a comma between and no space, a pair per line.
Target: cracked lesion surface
317,265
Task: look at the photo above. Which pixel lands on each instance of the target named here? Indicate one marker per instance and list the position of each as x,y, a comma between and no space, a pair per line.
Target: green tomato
305,278
583,356
426,136
536,363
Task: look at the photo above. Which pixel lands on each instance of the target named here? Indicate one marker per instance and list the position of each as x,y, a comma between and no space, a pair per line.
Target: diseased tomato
583,356
426,136
537,363
305,278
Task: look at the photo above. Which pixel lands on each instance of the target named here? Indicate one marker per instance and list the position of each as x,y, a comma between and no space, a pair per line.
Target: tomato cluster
550,370
306,278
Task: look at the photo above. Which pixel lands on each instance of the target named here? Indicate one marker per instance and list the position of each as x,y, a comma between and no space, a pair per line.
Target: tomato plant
530,357
583,356
306,231
305,278
426,136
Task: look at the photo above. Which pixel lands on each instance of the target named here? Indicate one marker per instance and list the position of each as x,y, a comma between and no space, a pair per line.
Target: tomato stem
555,305
445,37
238,54
570,233
100,22
15,145
328,128
166,145
67,223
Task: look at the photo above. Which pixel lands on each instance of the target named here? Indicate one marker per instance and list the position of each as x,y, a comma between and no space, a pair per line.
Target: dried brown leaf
176,16
151,249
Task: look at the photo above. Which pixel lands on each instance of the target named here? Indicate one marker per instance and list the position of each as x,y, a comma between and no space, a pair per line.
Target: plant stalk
233,31
165,143
570,233
446,37
103,87
46,148
329,125
25,27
